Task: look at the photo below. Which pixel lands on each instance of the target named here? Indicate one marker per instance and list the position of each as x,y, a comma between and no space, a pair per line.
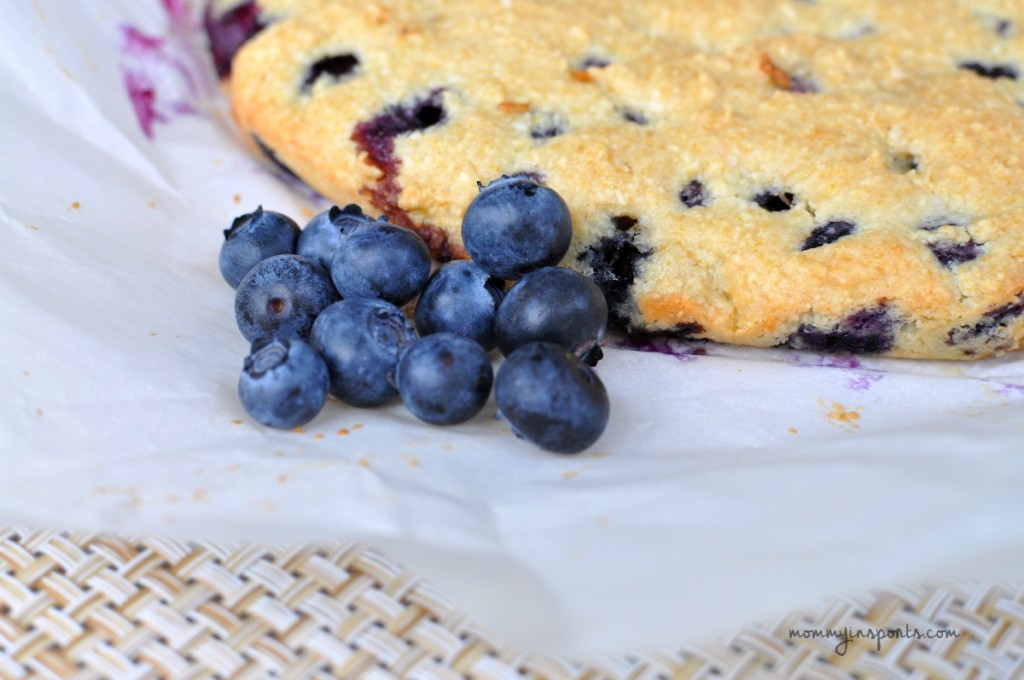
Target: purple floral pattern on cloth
164,76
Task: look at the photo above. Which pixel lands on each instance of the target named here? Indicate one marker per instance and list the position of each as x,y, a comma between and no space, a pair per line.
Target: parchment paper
728,487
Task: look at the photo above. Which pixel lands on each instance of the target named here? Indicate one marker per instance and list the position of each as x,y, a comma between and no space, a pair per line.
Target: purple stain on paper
165,76
1011,390
861,380
659,345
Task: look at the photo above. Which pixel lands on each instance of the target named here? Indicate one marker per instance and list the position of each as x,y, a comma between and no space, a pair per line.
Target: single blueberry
950,253
361,340
514,226
551,399
933,223
320,238
827,233
614,264
694,194
774,201
869,331
283,383
624,222
336,67
992,71
594,61
444,379
381,260
228,31
460,298
281,297
554,305
991,324
377,135
634,116
253,238
548,125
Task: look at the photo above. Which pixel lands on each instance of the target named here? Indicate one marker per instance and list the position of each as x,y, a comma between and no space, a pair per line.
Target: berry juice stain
165,76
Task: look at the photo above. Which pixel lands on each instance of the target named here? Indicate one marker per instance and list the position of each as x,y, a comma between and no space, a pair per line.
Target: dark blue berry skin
868,331
253,238
551,399
361,340
444,378
556,305
515,226
460,298
381,261
283,383
281,298
320,238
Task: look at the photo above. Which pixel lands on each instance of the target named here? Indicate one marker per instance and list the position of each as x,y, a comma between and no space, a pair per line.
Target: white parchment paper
728,487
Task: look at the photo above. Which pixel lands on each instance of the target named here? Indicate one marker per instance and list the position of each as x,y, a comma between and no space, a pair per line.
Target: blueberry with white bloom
382,261
283,383
281,298
444,378
320,238
361,339
551,399
460,298
253,238
556,305
516,225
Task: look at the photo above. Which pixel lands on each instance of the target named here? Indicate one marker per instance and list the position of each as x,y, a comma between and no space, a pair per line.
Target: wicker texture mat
91,606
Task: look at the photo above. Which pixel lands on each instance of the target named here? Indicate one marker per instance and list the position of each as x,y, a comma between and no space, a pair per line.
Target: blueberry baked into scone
830,175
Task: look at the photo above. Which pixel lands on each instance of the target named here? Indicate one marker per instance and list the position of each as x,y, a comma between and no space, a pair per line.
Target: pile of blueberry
321,309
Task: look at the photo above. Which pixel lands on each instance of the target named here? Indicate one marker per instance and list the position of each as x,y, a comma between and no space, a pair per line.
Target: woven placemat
78,605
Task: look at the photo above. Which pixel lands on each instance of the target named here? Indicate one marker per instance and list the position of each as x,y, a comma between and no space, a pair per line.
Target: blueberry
694,194
376,138
460,298
253,238
615,262
547,126
992,71
281,297
336,67
991,325
444,379
554,305
950,253
868,331
634,116
381,261
361,340
377,135
283,383
551,399
514,226
595,61
230,30
827,233
320,238
775,201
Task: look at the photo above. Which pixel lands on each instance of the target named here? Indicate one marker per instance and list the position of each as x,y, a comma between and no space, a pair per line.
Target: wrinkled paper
732,484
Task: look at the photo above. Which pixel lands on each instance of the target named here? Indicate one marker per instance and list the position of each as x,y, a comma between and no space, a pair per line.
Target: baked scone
832,175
